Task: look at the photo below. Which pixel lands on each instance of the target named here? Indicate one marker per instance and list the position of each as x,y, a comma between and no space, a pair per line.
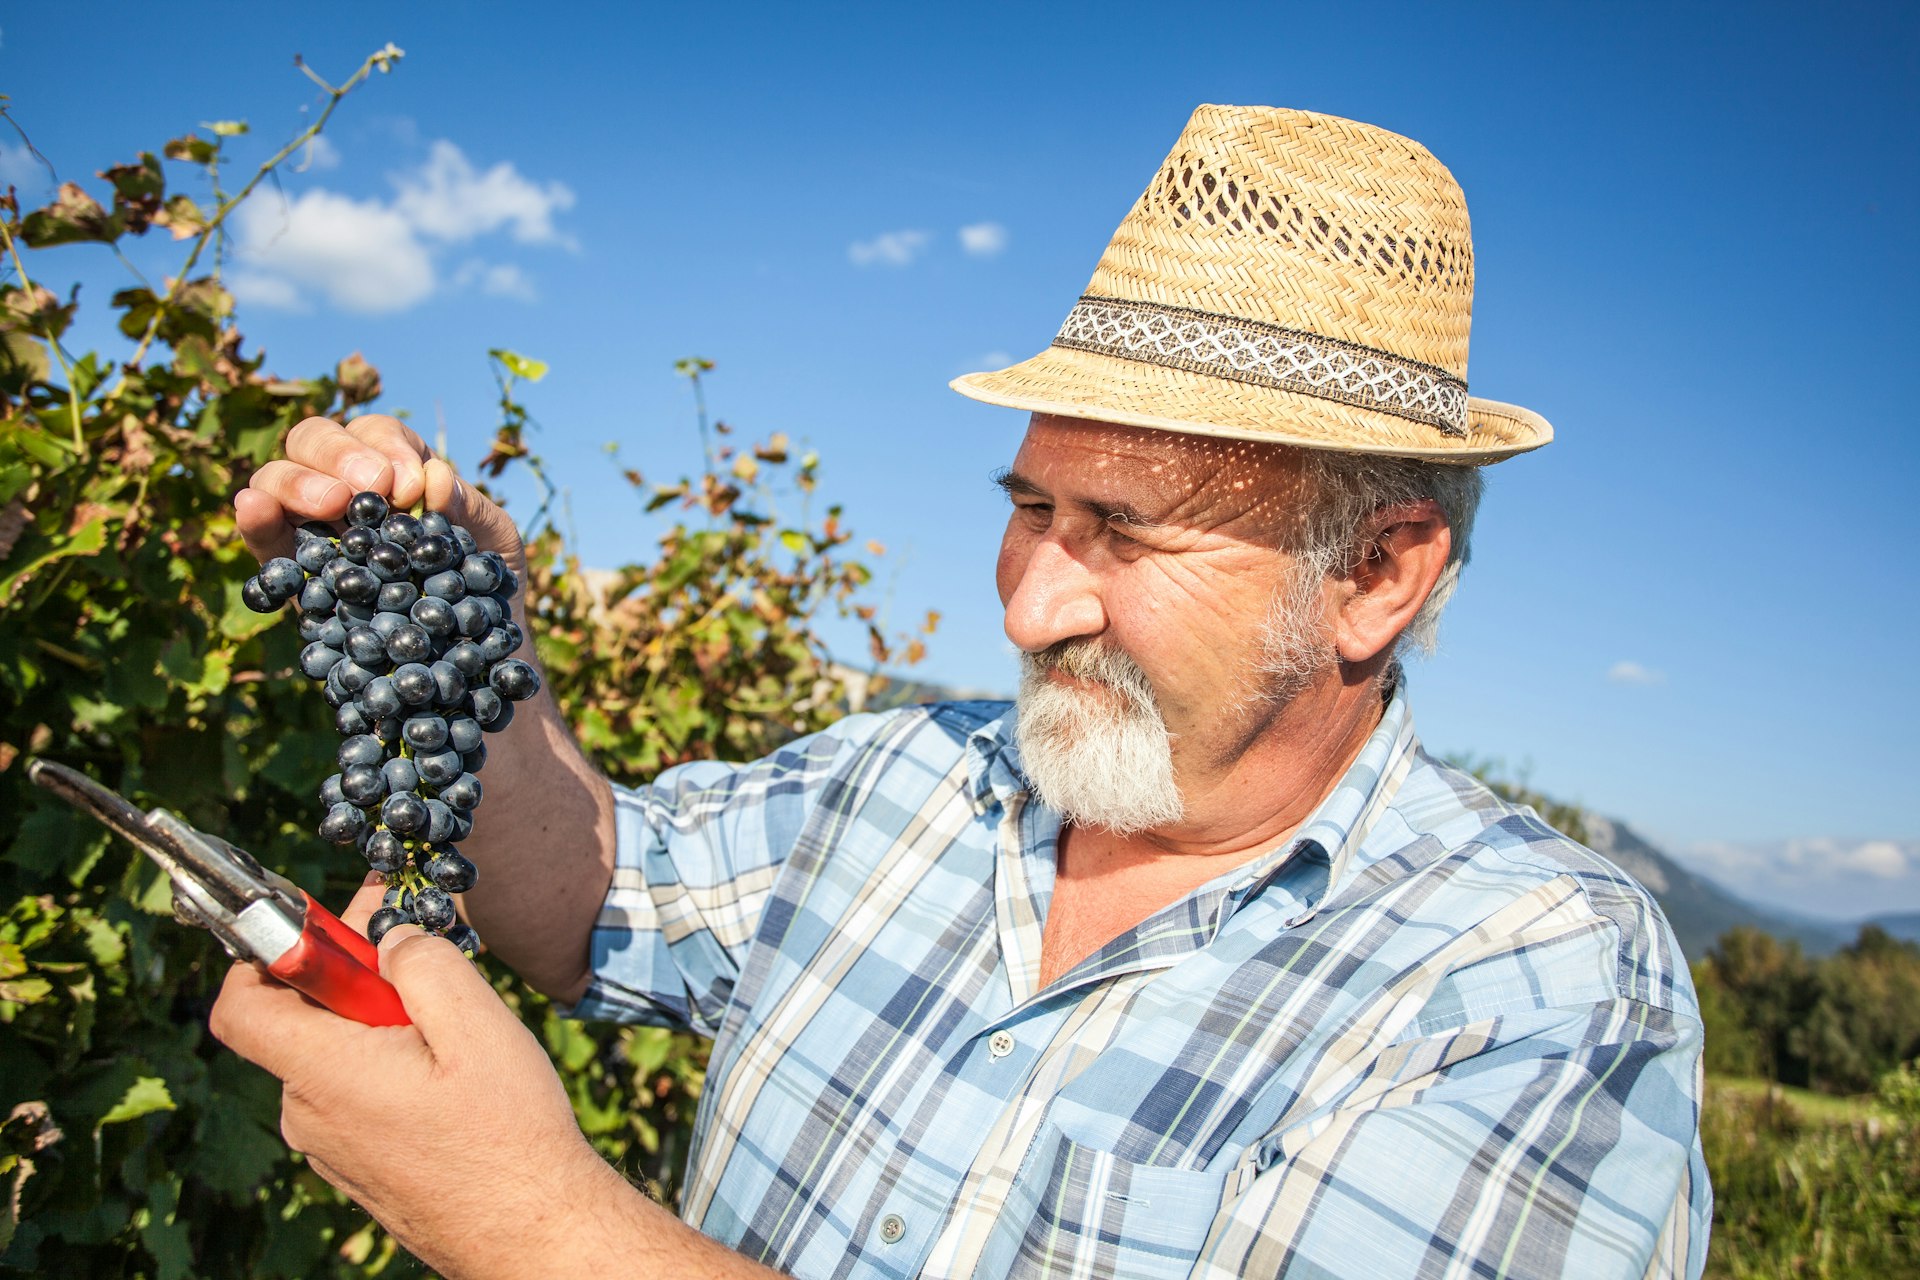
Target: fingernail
363,472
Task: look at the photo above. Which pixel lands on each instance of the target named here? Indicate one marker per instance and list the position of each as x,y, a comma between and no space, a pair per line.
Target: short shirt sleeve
697,855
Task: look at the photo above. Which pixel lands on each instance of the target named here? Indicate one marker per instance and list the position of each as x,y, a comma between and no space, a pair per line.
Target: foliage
1798,1196
130,1144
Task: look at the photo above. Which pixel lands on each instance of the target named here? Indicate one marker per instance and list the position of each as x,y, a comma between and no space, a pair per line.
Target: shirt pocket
1078,1211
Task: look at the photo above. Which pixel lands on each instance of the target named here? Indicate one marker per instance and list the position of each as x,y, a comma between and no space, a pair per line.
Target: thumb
491,527
450,1001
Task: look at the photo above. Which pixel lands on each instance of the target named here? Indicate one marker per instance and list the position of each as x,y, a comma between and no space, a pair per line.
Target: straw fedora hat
1286,276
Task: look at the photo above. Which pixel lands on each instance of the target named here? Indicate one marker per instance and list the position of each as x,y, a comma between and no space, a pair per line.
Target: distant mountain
1700,910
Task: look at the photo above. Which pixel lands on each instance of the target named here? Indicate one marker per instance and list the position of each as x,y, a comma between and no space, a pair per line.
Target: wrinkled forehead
1169,476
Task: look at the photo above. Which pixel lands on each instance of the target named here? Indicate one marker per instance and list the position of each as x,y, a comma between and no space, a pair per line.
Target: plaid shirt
1429,1036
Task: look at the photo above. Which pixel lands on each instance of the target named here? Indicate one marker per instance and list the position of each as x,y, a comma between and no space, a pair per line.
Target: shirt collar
1329,848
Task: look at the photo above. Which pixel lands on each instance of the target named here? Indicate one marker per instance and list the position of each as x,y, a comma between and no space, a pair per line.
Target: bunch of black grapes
408,624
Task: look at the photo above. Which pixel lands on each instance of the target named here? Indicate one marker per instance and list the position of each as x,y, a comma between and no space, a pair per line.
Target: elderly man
1191,962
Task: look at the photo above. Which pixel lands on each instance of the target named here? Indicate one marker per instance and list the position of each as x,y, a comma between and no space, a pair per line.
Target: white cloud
376,256
1881,858
449,199
892,249
266,291
990,361
1817,875
983,239
361,254
1625,672
19,168
500,280
318,154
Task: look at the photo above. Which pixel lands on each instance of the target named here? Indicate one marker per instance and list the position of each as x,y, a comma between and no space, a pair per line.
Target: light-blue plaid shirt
1429,1036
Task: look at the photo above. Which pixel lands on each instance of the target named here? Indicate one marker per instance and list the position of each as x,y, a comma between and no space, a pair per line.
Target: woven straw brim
1084,384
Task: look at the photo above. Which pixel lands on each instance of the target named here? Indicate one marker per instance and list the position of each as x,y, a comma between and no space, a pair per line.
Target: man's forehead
1179,474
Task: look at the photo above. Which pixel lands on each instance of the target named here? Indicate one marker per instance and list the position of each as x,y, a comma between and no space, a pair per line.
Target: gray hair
1344,490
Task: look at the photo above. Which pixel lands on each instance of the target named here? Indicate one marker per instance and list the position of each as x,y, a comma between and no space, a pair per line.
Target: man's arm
454,1132
543,840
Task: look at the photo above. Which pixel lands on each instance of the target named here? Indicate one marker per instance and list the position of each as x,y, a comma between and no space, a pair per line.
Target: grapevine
408,626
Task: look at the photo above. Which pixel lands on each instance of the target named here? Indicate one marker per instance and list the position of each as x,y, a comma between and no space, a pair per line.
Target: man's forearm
543,841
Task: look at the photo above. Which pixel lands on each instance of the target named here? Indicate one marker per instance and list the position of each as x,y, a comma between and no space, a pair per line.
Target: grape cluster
408,625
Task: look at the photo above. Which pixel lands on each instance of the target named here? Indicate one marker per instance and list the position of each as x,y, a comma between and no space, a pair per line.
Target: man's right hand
326,464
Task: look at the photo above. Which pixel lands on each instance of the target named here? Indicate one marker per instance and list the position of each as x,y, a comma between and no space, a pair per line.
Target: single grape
396,597
439,822
463,937
433,908
514,680
449,686
410,643
362,785
435,522
485,705
495,645
404,814
451,871
434,616
389,561
463,732
400,775
316,596
401,528
351,719
469,619
414,683
475,760
317,660
446,585
361,748
365,647
495,611
438,768
313,553
383,920
482,575
366,510
312,624
385,623
357,542
509,581
333,633
353,676
467,659
424,732
331,571
381,697
331,793
343,824
357,585
354,615
464,541
385,852
432,553
387,729
462,824
400,898
254,595
282,578
463,793
500,721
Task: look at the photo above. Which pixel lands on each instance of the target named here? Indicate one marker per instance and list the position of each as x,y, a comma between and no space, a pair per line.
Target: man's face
1140,571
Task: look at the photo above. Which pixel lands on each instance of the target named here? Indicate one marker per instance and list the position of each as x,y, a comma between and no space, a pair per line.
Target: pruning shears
257,916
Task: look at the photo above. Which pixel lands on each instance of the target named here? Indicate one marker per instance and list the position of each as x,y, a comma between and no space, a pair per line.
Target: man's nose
1056,598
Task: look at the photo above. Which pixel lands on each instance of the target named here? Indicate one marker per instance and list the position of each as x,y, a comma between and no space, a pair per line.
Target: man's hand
453,1132
326,464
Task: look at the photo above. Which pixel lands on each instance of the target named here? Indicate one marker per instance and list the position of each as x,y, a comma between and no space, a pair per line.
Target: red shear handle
340,969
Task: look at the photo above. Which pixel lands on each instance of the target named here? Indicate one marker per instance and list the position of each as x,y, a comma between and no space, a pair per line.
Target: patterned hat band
1267,355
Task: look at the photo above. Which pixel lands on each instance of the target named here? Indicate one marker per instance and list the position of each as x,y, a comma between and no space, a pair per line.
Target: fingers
263,524
491,527
447,997
324,446
366,901
404,451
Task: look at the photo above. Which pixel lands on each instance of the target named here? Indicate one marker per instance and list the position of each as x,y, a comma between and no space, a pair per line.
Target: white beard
1101,759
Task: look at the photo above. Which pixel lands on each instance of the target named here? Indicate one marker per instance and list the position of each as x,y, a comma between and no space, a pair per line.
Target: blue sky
1695,245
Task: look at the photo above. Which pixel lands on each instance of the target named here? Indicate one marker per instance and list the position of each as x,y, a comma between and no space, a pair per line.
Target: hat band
1267,355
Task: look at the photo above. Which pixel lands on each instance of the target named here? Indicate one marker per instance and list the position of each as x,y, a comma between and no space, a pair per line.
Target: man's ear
1403,550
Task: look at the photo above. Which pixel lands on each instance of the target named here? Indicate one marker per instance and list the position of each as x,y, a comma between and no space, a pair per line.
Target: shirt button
892,1227
1001,1044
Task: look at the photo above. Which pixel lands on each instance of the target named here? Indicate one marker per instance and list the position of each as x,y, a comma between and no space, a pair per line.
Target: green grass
1815,1108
